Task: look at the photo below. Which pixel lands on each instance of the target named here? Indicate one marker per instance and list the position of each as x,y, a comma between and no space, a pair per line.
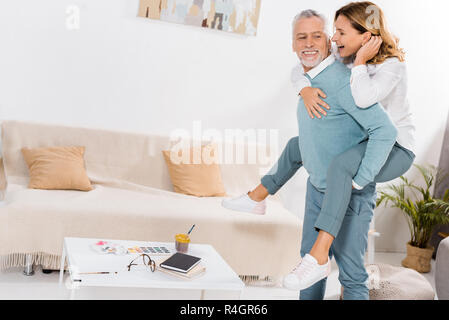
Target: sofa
442,270
133,199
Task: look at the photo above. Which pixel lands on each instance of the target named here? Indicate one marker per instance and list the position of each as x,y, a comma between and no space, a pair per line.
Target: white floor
15,285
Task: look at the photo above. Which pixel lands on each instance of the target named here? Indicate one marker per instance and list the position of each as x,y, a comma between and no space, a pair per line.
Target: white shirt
317,69
385,83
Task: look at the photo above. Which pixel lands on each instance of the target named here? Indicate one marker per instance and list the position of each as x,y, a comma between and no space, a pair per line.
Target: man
320,141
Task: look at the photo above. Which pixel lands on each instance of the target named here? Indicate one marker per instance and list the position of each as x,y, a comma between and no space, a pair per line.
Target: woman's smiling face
348,39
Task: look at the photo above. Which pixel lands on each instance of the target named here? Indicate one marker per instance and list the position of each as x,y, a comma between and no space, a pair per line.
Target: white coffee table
81,259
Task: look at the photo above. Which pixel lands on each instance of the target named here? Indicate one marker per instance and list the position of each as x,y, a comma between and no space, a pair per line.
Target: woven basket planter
418,258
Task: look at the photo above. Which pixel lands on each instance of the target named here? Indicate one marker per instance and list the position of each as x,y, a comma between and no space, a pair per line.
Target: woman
378,75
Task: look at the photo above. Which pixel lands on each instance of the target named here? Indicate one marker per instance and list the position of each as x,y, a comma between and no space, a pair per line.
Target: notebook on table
180,262
195,272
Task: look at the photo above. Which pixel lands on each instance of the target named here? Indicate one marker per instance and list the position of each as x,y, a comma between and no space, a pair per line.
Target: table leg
61,269
28,270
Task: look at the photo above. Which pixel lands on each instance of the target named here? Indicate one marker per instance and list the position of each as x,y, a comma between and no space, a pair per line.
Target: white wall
127,73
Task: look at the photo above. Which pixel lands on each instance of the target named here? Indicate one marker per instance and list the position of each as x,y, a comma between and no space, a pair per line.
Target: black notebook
180,262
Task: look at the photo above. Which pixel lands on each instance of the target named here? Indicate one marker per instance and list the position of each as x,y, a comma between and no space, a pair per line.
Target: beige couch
132,199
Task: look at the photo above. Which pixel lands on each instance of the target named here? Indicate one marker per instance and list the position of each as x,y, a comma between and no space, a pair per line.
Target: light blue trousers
349,246
339,178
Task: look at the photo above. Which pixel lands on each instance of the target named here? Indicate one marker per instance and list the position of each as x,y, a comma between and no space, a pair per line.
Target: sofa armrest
442,270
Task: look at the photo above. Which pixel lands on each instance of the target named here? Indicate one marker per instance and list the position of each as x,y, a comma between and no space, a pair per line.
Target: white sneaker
307,273
245,204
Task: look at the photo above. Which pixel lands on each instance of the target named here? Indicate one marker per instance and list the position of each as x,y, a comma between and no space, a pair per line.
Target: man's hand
312,101
368,50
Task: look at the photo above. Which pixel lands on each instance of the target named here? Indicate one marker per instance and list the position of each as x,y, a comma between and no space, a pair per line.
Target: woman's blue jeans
338,180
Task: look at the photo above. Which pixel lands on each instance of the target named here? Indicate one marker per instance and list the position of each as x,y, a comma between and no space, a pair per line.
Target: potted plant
422,213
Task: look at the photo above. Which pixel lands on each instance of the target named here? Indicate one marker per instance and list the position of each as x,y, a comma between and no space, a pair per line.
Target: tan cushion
57,168
197,173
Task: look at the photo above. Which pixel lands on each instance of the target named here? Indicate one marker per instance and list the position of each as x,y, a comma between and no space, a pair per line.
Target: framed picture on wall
237,16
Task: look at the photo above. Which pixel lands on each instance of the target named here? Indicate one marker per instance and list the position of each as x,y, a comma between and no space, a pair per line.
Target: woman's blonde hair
366,16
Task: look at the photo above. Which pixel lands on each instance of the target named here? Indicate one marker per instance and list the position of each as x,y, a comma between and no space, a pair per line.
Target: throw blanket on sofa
133,200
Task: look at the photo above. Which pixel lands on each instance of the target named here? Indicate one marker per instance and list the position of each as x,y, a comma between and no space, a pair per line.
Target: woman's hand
368,51
312,101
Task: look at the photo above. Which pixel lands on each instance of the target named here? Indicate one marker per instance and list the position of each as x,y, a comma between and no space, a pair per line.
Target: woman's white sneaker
245,204
307,273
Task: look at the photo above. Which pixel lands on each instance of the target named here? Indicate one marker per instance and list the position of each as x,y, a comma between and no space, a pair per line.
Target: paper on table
81,263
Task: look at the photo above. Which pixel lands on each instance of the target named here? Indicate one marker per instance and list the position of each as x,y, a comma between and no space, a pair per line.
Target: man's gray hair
309,13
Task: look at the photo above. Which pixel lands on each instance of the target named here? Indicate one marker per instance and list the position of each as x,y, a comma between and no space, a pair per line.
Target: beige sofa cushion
201,179
57,168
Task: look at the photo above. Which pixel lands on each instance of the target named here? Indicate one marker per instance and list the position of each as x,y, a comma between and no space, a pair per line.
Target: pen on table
191,229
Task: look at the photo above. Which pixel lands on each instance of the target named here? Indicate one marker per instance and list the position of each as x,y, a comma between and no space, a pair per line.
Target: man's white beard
312,64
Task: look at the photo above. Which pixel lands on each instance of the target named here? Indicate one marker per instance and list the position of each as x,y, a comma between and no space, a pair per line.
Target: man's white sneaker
307,273
245,204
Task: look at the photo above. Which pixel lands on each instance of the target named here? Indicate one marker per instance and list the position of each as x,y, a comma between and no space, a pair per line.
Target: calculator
156,251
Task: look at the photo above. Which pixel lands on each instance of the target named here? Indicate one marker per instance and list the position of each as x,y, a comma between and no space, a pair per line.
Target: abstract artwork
238,16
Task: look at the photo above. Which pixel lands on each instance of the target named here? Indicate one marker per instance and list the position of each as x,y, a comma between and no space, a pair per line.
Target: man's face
310,42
